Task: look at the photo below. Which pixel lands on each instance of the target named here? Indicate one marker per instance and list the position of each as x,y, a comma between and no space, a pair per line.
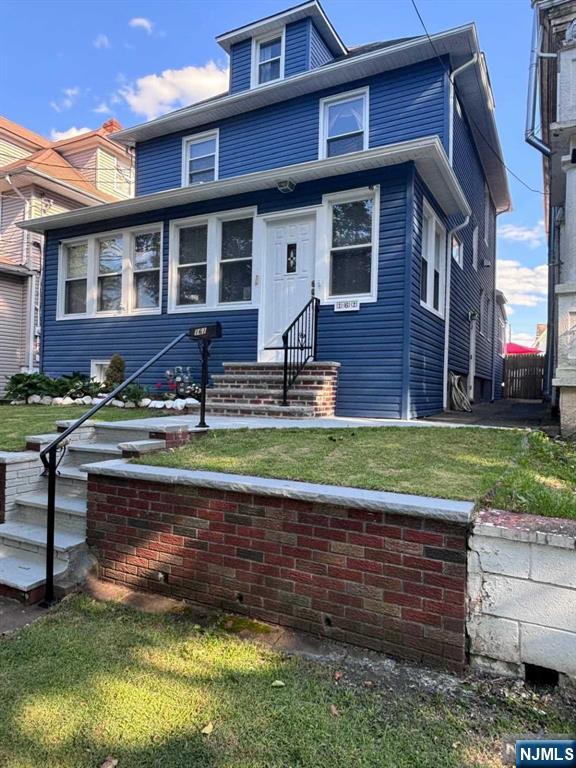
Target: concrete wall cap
377,501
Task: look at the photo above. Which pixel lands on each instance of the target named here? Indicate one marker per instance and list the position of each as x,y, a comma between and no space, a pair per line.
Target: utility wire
470,118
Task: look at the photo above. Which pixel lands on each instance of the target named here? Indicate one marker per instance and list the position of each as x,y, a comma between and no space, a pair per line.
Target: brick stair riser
37,516
230,410
302,398
269,380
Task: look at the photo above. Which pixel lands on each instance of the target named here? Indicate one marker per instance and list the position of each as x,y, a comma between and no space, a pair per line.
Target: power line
470,117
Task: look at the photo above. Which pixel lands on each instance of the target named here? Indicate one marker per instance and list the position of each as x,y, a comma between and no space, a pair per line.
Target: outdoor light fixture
286,186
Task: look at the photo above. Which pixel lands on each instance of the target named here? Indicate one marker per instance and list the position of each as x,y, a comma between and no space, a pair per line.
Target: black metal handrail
49,456
299,344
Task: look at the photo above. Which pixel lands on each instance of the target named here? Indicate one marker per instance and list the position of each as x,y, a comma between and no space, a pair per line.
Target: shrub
115,373
21,385
134,393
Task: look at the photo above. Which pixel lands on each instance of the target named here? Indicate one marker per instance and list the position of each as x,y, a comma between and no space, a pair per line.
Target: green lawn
17,421
515,470
96,680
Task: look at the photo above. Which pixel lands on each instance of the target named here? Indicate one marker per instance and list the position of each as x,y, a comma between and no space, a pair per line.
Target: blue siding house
370,175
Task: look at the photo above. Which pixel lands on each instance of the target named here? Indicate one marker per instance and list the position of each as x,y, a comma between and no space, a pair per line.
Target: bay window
111,274
432,262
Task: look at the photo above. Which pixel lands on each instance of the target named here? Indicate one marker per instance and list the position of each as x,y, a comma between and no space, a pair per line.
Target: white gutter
535,54
450,235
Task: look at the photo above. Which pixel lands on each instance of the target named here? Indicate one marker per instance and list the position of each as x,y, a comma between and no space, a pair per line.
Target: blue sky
71,65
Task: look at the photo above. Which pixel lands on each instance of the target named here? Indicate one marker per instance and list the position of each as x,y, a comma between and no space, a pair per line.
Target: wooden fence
524,376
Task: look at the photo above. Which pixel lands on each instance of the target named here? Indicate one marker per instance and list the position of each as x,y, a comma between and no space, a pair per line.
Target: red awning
518,349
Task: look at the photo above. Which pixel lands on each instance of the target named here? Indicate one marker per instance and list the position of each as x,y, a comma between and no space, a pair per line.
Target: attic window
268,59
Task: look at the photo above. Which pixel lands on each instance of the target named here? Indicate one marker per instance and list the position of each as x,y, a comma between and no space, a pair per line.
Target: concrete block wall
522,593
20,472
383,571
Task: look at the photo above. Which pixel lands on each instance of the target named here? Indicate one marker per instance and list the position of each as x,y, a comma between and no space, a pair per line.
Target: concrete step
23,571
81,453
120,432
318,365
70,510
39,442
32,537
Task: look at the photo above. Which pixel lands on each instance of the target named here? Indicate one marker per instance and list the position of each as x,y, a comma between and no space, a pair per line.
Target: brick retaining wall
387,581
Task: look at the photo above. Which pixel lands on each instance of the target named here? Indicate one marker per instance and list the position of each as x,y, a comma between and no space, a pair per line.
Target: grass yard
96,680
17,421
514,470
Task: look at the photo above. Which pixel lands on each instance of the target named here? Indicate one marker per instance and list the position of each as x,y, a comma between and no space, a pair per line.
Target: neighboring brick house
39,177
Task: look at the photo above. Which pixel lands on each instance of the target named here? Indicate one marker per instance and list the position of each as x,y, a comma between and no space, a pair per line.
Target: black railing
299,344
49,456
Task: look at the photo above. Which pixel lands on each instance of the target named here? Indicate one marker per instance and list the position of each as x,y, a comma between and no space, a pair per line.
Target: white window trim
435,220
475,246
128,298
255,55
94,369
487,204
460,258
213,221
192,139
323,124
324,245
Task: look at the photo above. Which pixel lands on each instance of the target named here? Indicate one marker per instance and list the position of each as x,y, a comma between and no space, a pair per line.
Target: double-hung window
75,268
236,260
192,265
352,246
344,124
146,261
211,261
111,274
110,257
268,59
433,261
200,159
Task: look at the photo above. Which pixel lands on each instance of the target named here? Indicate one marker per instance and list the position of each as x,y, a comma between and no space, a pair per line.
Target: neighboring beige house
39,177
552,105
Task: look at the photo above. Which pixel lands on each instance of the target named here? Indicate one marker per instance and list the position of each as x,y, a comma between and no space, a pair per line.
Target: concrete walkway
519,414
251,422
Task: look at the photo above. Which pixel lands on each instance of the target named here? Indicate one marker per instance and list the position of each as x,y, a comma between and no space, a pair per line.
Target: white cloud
67,100
526,339
533,237
154,95
523,286
139,22
67,134
101,41
102,109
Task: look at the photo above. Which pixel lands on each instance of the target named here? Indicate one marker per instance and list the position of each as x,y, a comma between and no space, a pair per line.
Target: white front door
289,272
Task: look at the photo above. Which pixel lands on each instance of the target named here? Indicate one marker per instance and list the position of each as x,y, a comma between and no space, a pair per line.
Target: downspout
494,340
535,56
449,237
31,278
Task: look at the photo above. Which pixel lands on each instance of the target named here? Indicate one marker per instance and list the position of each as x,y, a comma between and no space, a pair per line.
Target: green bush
134,393
115,373
21,385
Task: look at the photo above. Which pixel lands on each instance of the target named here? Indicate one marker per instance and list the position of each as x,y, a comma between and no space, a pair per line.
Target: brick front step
256,389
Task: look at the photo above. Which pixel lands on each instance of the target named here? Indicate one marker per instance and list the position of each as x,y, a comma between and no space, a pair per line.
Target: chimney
111,126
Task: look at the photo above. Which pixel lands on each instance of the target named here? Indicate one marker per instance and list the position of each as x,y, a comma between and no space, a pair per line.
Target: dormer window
268,59
199,158
344,124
